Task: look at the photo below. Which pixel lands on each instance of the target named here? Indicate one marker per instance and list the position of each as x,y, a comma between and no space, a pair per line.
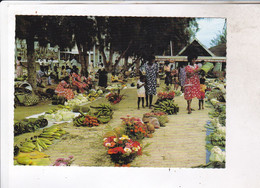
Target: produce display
161,116
167,106
83,109
104,113
59,115
29,125
217,138
114,98
35,158
85,121
78,100
42,141
166,95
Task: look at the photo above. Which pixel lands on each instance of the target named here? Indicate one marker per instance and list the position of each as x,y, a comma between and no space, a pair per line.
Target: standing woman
192,82
19,68
151,69
182,76
167,71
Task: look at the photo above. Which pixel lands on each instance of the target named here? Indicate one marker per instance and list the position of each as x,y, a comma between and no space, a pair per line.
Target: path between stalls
180,144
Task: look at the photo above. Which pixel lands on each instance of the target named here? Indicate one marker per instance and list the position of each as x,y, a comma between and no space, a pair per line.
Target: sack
154,121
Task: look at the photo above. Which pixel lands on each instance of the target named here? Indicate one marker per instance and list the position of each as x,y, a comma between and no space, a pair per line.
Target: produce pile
61,114
78,100
81,109
216,127
167,106
85,121
35,158
104,113
29,152
166,95
42,141
114,98
161,116
29,125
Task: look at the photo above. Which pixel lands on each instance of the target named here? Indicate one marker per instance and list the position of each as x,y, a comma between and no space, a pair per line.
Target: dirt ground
180,144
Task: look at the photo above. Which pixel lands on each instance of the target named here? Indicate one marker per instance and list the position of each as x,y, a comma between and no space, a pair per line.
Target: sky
209,28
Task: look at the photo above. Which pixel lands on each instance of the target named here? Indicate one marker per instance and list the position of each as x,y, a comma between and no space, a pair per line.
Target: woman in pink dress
192,81
63,89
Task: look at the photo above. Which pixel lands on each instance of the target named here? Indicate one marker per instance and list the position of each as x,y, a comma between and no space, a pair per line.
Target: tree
44,29
140,37
31,28
83,33
221,37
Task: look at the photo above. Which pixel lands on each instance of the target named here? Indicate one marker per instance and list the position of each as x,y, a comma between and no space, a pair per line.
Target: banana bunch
103,110
78,121
52,133
35,143
167,106
29,125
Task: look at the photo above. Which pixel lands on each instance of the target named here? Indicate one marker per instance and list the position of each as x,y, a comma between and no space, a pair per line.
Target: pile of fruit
78,100
33,158
167,106
166,95
29,125
81,109
161,116
42,141
104,113
85,121
59,115
217,138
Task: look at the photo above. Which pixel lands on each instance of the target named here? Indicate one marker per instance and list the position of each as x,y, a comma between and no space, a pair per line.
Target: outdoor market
118,91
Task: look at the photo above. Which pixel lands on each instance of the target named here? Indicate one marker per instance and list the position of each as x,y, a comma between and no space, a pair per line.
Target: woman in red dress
192,81
63,90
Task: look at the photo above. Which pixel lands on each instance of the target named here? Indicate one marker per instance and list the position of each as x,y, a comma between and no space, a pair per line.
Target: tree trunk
126,62
137,66
86,59
81,58
31,67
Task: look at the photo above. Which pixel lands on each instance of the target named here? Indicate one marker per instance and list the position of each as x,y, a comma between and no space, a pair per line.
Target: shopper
167,71
203,87
141,91
151,69
192,82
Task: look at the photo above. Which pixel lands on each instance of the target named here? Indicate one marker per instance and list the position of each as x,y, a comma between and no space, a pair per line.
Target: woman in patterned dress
151,69
192,82
63,90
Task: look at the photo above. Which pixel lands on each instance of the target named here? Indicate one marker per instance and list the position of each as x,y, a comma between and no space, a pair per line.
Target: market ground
180,144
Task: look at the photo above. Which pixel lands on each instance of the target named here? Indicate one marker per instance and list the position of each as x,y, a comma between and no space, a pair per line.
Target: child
141,90
203,87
